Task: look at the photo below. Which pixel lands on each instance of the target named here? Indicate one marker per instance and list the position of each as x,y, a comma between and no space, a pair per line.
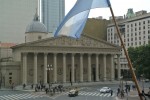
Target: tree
140,58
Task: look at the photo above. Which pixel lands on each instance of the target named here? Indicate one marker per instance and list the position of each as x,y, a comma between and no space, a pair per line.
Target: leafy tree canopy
140,58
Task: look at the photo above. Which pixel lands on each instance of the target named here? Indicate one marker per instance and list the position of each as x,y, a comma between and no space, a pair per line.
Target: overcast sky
119,7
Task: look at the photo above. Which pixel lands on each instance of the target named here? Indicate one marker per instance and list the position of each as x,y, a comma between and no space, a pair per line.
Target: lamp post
142,76
0,67
49,68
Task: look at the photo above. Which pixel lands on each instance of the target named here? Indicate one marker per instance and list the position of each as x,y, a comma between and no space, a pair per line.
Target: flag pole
127,56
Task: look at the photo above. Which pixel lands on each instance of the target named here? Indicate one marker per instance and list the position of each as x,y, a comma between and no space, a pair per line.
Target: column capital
89,54
64,54
24,53
54,54
82,54
45,53
35,53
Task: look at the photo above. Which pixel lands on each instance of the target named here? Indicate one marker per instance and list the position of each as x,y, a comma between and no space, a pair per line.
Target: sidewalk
132,95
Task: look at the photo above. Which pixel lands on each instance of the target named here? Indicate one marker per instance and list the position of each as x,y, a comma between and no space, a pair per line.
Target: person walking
118,91
111,92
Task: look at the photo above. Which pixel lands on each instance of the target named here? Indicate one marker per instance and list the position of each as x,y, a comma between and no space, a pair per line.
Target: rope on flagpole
127,56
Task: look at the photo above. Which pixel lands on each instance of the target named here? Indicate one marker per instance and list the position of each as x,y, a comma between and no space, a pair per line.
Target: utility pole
0,67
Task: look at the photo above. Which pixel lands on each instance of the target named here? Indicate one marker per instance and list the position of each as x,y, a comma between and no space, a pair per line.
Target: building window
139,23
143,22
10,73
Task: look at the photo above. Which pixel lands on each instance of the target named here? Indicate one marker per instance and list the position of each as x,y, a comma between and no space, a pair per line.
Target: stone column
89,67
64,68
45,68
55,67
104,69
112,67
24,69
72,68
35,69
81,67
97,69
118,65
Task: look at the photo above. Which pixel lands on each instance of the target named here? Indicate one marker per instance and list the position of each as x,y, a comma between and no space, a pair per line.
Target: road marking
94,94
97,94
19,96
104,95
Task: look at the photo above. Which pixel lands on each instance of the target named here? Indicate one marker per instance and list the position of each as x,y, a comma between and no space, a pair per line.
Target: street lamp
49,68
142,76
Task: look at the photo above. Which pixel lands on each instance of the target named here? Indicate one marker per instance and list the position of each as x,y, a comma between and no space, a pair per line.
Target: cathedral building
61,59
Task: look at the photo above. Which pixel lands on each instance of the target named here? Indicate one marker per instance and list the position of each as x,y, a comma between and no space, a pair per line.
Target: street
85,93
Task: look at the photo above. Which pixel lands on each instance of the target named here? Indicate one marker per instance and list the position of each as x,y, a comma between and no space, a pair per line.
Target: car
105,90
147,80
73,92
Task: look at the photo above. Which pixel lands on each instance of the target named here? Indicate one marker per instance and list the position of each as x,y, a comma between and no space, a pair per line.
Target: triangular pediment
84,41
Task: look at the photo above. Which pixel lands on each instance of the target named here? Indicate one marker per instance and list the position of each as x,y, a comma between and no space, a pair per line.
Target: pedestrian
31,86
122,94
0,84
111,92
118,91
24,85
12,86
143,94
46,90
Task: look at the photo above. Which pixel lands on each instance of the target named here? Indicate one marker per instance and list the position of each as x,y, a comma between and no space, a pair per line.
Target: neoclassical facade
64,59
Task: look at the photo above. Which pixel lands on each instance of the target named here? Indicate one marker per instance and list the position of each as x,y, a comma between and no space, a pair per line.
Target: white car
105,90
73,92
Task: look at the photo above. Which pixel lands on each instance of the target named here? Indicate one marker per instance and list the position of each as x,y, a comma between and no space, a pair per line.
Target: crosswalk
94,94
20,96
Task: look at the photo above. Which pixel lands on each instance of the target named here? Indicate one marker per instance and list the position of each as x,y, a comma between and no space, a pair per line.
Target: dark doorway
94,73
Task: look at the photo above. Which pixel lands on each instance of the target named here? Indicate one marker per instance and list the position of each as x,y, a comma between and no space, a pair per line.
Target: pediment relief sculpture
67,41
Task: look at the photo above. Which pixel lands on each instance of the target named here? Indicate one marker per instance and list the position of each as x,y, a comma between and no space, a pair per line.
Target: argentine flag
74,22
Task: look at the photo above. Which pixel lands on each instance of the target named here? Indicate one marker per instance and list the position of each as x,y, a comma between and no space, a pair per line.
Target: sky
119,7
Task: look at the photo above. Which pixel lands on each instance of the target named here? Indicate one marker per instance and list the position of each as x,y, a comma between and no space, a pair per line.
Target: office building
15,15
52,13
135,31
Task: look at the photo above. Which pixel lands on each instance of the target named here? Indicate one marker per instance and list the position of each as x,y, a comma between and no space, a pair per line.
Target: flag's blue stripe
75,20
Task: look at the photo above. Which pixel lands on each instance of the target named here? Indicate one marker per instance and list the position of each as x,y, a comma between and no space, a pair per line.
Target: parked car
73,92
105,90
